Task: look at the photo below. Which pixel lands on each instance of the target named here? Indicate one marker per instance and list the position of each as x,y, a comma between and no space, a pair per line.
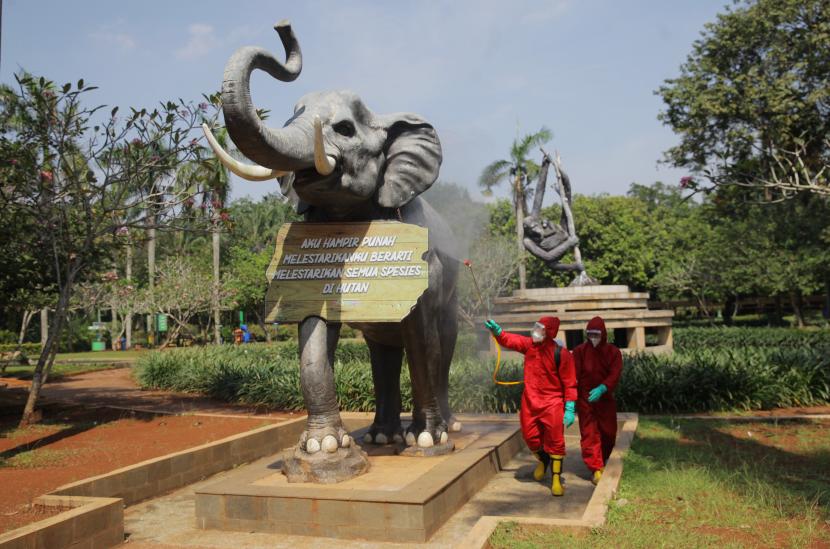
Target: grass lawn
58,370
711,483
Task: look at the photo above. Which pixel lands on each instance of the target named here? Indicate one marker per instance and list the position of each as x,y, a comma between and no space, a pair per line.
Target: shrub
700,379
26,348
731,337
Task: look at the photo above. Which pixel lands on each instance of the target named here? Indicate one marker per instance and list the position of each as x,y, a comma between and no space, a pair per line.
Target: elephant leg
448,331
324,429
386,374
423,352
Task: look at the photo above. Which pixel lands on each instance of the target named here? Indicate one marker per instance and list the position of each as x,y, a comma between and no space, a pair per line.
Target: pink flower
224,216
46,175
686,181
13,161
137,142
203,106
122,231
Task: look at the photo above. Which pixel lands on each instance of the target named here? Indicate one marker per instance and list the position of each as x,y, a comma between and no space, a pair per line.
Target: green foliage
754,86
26,348
721,379
730,369
688,339
268,375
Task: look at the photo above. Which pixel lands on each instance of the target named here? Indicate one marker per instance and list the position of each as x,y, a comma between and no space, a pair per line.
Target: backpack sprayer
469,265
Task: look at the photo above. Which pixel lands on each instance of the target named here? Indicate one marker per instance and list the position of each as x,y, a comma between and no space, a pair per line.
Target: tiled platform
399,499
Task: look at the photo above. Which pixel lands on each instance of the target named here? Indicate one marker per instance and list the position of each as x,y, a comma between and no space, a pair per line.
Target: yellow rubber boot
597,476
556,487
542,466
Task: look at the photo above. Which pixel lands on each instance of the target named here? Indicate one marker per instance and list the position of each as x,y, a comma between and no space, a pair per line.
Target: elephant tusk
250,172
324,163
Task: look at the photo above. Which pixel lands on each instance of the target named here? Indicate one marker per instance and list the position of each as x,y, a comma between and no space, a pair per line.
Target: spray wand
469,265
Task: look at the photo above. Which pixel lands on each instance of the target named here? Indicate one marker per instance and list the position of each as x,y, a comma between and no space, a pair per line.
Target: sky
481,72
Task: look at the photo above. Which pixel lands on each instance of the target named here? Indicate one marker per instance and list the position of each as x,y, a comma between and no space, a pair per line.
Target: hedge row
267,375
26,348
732,337
701,380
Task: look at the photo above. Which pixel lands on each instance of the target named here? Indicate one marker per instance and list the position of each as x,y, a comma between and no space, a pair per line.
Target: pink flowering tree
72,178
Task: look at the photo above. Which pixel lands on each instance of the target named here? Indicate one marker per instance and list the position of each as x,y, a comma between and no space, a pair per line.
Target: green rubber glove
494,328
597,392
570,415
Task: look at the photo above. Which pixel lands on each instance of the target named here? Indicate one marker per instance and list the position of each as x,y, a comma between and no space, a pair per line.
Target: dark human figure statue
342,162
548,241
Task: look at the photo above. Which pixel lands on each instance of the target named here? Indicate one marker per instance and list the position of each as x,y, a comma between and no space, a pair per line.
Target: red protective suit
545,389
597,420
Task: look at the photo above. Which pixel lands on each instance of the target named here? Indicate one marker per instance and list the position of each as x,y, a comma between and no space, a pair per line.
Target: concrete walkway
169,522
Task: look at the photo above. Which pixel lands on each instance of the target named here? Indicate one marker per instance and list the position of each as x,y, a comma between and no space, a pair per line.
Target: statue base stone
432,451
399,499
627,316
323,467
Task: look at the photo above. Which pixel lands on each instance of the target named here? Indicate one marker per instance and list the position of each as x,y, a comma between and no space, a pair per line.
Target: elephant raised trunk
285,149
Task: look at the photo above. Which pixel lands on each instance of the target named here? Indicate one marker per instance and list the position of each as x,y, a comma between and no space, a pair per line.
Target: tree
247,281
69,172
183,290
118,295
492,259
752,103
521,170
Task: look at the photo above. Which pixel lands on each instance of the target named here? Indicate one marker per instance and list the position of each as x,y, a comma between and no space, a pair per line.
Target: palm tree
520,169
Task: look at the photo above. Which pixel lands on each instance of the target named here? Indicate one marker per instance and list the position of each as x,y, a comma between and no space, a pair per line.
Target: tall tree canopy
752,102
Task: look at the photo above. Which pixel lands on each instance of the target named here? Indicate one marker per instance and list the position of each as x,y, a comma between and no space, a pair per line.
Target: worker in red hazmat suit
598,369
548,399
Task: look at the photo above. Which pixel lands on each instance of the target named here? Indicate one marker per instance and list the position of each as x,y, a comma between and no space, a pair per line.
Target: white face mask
594,338
537,334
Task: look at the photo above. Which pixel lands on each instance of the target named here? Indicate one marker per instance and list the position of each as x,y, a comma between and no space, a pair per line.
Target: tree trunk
44,326
261,321
151,272
825,311
217,336
795,301
47,354
27,317
520,229
128,274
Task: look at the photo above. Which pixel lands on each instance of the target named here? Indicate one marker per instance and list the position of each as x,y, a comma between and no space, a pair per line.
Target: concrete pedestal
401,498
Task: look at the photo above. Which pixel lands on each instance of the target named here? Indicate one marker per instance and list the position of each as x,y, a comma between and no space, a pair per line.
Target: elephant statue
340,161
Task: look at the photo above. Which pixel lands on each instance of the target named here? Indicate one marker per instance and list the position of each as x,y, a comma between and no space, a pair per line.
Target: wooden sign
347,272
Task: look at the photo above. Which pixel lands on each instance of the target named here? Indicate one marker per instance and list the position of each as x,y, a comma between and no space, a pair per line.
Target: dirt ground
76,442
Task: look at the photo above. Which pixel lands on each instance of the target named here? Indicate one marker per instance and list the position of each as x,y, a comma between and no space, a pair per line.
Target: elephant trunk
289,148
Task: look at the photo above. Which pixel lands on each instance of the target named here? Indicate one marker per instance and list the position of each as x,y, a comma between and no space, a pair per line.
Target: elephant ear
413,157
287,190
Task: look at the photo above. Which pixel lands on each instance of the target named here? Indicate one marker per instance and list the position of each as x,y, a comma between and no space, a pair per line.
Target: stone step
572,305
571,291
625,314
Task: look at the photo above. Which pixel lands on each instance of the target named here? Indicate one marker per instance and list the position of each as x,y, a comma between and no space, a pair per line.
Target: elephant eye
344,127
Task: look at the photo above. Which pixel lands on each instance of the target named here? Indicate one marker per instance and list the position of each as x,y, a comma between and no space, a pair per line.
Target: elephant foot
427,442
324,467
440,449
325,439
378,434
